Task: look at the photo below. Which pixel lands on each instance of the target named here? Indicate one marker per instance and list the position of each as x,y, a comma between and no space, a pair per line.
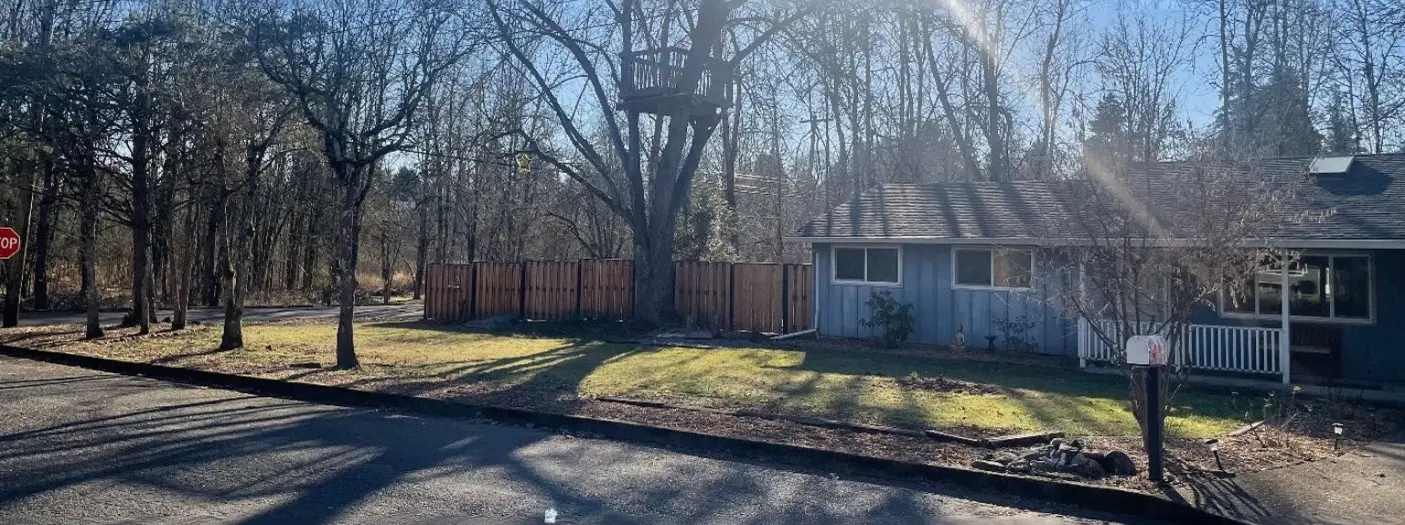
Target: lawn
850,385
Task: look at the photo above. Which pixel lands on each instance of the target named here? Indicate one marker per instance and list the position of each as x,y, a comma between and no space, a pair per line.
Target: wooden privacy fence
773,298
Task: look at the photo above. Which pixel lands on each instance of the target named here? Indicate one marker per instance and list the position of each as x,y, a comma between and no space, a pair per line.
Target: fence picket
604,289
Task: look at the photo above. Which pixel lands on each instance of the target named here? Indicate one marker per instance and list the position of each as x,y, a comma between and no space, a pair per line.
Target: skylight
1330,165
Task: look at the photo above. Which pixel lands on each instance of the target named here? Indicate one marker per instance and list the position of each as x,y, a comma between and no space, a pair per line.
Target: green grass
846,385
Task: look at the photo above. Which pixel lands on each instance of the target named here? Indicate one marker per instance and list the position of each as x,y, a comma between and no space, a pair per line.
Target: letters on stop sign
9,243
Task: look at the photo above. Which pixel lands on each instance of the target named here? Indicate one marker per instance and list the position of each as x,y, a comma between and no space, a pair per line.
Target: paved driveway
210,315
80,447
1361,486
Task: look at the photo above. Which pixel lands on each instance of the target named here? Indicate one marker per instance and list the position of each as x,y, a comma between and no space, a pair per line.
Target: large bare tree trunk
233,335
653,277
140,258
141,202
44,235
87,239
185,267
209,261
347,247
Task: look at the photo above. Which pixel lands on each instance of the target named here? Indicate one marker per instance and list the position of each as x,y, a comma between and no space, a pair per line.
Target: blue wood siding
1372,352
939,309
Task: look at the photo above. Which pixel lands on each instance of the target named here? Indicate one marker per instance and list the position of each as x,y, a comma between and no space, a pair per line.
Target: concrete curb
1090,497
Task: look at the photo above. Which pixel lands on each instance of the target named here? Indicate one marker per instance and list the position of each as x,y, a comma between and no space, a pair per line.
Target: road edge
1090,497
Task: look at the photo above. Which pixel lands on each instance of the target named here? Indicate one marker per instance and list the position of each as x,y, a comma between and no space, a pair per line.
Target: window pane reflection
1351,287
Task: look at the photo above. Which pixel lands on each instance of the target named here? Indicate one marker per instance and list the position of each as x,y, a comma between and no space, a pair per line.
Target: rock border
814,460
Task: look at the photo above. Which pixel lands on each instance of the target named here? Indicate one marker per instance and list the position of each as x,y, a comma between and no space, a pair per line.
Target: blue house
977,259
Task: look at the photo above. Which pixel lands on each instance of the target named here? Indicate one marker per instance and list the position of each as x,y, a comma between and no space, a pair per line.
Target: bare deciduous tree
359,71
1155,246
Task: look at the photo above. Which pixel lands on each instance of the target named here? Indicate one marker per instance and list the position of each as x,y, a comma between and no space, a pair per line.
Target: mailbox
1149,350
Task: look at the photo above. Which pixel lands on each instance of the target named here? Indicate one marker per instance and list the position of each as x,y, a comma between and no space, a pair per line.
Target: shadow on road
318,464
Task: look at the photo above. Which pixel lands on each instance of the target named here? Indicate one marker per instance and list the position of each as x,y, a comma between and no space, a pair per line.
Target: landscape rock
1114,462
988,465
1062,459
1089,469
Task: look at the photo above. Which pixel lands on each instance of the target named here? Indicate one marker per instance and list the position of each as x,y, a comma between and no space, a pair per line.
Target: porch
1246,350
1245,356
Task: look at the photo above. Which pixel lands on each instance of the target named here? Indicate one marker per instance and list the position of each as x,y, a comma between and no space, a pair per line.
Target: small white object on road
551,515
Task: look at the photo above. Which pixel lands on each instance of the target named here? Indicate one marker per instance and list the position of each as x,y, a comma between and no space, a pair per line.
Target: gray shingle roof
1366,203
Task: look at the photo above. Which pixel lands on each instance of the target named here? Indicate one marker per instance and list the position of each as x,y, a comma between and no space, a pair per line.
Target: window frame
1332,306
834,266
1033,263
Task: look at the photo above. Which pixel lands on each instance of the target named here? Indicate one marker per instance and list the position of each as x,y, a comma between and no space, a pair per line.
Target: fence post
522,291
1285,343
1083,342
731,295
785,298
580,270
472,290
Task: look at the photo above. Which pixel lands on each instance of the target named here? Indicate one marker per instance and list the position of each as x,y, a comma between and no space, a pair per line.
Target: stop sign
9,243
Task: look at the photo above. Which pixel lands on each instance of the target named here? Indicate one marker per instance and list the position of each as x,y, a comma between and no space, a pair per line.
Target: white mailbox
1147,350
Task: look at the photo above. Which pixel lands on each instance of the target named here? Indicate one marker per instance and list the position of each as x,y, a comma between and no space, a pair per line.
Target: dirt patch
941,384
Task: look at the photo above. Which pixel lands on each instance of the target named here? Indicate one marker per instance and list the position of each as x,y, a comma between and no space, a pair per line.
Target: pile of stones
1060,456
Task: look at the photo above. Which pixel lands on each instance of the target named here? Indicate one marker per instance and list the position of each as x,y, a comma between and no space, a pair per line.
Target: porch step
1311,349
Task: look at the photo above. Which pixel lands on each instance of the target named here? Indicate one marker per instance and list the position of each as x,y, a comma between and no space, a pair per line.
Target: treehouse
653,80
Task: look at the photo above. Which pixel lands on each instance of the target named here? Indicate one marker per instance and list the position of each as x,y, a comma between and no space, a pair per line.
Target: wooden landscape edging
751,297
802,458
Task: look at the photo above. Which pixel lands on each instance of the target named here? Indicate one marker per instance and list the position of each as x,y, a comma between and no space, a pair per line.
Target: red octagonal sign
9,243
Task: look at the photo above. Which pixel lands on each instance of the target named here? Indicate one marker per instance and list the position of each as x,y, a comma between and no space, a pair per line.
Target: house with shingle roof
969,256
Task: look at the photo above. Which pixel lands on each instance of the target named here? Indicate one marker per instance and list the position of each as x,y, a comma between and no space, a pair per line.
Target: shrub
890,317
1016,332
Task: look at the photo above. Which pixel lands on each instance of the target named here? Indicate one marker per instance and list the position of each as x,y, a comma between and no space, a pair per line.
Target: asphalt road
209,315
80,447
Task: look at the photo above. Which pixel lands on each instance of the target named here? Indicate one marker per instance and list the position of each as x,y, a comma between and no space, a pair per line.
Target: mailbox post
1147,353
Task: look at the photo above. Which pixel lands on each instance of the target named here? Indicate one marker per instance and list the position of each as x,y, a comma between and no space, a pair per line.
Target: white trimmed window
876,265
1321,287
992,268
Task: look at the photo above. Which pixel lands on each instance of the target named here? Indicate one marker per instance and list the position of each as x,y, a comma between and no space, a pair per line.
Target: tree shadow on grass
1006,375
550,377
580,330
45,337
1065,391
175,358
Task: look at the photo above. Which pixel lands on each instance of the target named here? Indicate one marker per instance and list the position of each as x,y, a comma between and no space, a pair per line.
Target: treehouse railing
659,73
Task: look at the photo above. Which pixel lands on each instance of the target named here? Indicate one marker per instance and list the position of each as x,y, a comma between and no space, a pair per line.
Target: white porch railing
1241,349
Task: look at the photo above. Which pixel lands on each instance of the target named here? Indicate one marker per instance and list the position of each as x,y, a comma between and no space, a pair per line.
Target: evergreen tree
1341,131
1108,143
